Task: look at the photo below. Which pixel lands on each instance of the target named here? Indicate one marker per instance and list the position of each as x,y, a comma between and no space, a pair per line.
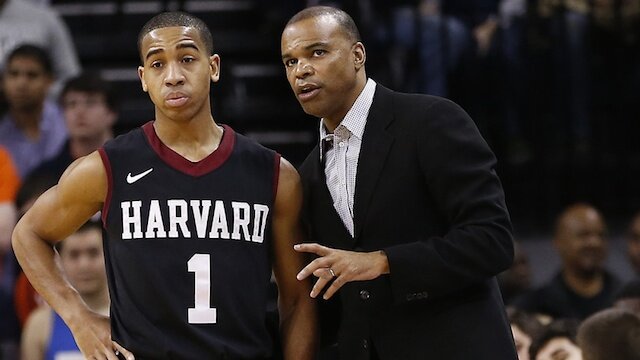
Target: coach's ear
141,76
359,55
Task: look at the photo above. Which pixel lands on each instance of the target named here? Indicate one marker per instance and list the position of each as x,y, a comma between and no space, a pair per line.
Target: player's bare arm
58,213
297,309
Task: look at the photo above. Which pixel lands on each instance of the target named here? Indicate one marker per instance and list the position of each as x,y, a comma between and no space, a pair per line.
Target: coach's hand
341,266
92,333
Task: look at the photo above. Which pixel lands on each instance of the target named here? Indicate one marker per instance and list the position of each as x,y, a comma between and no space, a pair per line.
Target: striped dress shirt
341,150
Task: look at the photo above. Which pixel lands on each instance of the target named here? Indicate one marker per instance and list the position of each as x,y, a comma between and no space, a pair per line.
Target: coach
404,206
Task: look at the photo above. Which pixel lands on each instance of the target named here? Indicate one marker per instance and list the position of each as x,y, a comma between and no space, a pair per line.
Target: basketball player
195,218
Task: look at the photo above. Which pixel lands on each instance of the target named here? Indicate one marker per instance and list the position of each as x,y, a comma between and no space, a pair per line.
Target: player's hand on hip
93,337
338,267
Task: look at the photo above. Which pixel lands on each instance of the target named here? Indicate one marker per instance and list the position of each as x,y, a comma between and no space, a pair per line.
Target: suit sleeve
459,172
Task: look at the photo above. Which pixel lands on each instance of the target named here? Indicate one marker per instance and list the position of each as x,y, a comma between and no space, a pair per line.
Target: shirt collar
355,119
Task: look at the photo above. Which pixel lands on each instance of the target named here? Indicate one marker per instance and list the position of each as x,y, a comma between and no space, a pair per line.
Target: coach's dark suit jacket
428,195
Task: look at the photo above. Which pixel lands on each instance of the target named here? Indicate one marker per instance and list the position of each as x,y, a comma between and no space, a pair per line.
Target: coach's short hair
177,18
342,18
610,334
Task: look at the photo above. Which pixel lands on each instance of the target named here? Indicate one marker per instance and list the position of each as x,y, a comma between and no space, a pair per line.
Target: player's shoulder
288,171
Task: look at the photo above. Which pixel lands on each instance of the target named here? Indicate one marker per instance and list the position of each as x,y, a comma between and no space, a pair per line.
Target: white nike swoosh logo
132,179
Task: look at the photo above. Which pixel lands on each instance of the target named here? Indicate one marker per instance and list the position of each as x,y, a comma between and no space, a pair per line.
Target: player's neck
194,140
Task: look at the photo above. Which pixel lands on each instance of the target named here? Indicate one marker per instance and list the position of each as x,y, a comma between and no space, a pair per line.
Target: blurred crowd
584,311
552,84
545,80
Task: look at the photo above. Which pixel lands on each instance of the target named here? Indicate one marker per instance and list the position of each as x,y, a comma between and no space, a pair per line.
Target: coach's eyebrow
317,44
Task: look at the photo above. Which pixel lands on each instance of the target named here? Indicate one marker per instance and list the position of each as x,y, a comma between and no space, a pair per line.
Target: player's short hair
610,334
32,52
342,18
177,18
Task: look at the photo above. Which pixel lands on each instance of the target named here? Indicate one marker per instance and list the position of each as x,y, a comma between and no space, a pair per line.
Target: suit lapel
376,143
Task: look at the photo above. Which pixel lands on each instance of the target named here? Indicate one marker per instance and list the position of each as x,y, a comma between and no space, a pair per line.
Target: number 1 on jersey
202,313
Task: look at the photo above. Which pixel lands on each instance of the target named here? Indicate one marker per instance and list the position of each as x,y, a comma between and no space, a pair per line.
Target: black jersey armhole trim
107,200
276,175
178,162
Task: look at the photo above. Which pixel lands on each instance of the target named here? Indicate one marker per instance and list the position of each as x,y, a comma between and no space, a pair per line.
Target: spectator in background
26,299
46,336
17,296
557,341
443,32
9,183
568,22
22,22
471,51
633,242
588,38
516,280
513,29
582,286
33,129
572,25
525,327
90,109
628,298
612,334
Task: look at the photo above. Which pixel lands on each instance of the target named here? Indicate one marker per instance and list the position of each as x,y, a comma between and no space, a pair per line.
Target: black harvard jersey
187,247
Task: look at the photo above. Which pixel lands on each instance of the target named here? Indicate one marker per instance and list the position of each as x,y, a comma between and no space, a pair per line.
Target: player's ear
214,67
141,76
